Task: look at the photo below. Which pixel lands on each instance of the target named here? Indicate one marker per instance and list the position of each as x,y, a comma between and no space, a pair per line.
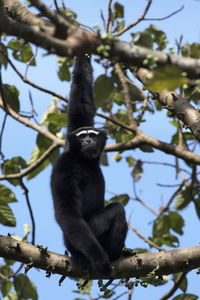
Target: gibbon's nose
88,140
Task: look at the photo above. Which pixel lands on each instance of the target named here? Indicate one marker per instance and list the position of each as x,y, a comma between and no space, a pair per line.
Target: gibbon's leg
110,228
83,245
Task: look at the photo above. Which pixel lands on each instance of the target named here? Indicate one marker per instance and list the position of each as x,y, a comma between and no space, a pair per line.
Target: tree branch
139,265
32,125
137,21
178,105
32,167
79,40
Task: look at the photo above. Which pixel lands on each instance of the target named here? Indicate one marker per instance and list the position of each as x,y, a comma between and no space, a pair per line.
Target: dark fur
94,234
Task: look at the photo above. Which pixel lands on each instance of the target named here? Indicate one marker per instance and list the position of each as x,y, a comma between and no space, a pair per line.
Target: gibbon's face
89,141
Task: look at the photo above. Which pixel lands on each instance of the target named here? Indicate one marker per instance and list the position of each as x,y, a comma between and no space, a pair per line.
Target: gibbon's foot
127,252
102,267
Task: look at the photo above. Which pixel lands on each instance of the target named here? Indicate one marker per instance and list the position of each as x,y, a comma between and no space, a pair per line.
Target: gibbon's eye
92,135
82,136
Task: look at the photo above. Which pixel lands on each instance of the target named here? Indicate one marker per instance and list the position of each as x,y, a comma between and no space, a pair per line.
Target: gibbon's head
87,141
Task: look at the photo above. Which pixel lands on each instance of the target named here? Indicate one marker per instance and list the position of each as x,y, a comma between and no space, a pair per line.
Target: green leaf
6,195
36,153
11,95
130,160
15,44
184,283
64,65
146,148
197,206
21,51
137,170
43,142
192,50
123,199
103,87
58,119
186,297
166,239
64,73
7,217
161,226
152,37
117,157
87,288
118,10
119,26
170,240
25,288
176,222
6,287
183,198
13,166
168,77
12,296
3,60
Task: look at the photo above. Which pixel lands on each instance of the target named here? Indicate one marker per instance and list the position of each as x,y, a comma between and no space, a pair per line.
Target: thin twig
30,82
166,207
30,61
1,135
32,125
152,244
137,198
26,193
127,98
137,21
175,286
109,21
164,164
32,167
164,18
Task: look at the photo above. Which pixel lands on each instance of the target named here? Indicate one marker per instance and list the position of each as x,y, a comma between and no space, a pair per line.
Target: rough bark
138,265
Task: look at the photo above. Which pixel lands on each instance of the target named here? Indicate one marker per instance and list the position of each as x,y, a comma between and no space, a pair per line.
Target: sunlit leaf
183,199
123,199
6,286
6,195
168,77
6,215
22,51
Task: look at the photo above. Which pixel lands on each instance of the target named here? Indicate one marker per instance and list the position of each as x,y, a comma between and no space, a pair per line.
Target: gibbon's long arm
81,110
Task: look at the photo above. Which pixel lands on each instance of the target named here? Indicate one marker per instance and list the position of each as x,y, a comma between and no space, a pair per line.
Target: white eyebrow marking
93,131
81,132
87,132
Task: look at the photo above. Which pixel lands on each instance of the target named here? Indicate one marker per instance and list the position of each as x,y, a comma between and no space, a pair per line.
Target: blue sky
20,141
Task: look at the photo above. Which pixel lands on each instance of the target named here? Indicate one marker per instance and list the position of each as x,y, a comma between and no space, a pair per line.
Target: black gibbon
93,233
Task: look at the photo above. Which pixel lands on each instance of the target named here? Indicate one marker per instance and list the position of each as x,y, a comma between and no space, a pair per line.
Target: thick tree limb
178,105
79,40
162,263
